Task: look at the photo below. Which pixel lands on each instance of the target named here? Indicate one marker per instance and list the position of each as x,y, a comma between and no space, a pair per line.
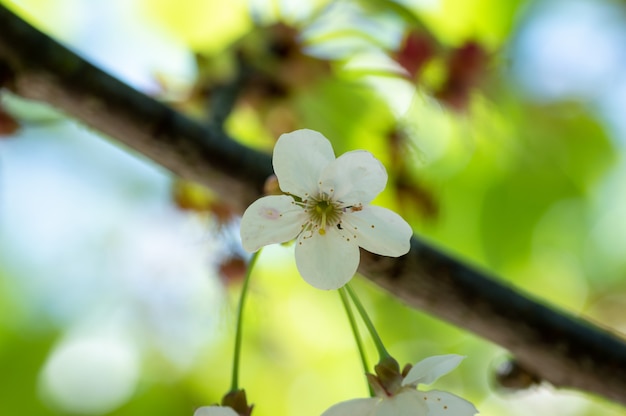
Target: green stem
355,331
242,298
382,351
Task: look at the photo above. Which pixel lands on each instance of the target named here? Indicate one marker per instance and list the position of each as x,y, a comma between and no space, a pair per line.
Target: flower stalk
355,331
239,326
380,347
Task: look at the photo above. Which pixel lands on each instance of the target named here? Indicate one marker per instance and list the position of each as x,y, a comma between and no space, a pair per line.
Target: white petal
360,407
379,230
430,369
354,177
326,261
271,219
405,403
442,403
215,411
299,158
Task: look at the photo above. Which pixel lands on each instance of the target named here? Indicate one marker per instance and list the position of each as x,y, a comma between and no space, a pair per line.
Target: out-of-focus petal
356,407
406,403
354,177
379,230
326,261
215,411
299,158
442,403
430,369
271,219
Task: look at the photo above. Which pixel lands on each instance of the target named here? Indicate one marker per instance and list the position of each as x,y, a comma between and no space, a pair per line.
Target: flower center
323,212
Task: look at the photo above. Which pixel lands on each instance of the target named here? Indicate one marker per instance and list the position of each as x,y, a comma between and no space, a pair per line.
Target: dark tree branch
38,68
561,349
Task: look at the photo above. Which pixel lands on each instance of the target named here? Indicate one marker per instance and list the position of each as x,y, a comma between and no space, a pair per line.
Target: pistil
322,230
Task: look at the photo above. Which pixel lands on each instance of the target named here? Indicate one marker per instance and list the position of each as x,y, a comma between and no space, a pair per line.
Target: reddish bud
466,67
416,49
8,125
232,270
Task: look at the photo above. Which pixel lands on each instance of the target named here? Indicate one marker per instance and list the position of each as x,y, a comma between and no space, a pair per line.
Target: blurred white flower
400,398
327,210
215,411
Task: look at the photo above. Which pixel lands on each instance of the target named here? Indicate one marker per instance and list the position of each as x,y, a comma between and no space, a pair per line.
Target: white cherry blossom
215,411
407,401
326,209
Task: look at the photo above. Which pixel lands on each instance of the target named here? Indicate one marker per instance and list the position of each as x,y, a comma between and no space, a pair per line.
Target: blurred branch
561,349
224,95
36,67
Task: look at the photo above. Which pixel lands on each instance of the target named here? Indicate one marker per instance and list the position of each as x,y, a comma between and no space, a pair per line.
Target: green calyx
388,379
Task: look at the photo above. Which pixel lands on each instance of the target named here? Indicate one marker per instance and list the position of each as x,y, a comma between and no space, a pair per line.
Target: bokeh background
502,126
